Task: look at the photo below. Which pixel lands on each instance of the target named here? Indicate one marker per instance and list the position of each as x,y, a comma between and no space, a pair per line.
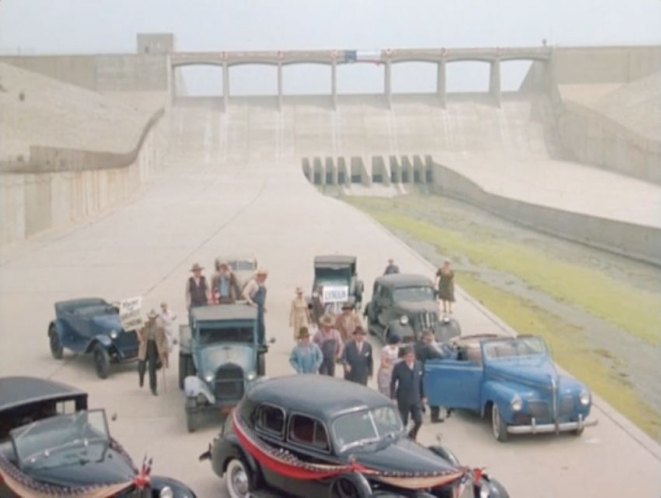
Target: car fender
179,489
446,454
58,326
231,448
194,386
499,394
102,339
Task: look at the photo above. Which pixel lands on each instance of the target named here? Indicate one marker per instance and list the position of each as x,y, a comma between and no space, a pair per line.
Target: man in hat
197,290
153,349
255,294
428,349
299,314
347,322
224,285
317,306
306,356
391,268
357,358
406,387
330,342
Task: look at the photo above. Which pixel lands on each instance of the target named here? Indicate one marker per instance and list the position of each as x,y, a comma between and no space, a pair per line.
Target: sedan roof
404,280
319,396
18,391
334,260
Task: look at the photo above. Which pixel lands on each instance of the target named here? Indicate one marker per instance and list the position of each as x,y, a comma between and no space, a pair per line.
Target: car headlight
166,492
584,397
209,377
517,403
114,334
251,376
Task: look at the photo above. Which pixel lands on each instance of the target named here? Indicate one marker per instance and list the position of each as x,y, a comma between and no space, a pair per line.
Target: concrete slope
205,203
37,110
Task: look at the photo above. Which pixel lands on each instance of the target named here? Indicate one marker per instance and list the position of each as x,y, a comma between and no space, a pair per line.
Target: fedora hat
327,320
196,267
261,271
152,314
303,332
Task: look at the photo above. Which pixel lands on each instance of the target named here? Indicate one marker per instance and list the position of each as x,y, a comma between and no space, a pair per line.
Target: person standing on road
153,349
197,290
299,314
347,322
317,307
407,389
167,319
445,286
357,358
389,356
255,294
224,286
427,349
391,268
330,342
306,356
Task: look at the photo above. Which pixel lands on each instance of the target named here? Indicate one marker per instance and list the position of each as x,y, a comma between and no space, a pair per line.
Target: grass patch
569,350
633,310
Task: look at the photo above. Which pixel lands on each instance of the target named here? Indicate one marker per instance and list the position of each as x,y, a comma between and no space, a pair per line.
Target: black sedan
52,445
311,435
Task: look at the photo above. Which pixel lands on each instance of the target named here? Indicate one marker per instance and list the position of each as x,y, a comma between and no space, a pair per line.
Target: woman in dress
389,356
445,284
299,315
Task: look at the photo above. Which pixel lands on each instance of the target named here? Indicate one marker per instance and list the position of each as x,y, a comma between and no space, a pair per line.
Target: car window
271,419
308,431
232,334
383,293
414,293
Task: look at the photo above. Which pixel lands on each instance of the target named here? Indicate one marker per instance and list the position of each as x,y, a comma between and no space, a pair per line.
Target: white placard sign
130,313
336,293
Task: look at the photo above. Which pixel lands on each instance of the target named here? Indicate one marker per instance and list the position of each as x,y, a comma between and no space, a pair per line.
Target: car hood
212,357
112,468
107,322
535,372
401,455
414,307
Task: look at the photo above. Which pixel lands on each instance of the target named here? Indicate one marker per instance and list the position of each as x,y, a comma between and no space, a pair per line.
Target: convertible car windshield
366,426
62,440
232,334
413,294
521,346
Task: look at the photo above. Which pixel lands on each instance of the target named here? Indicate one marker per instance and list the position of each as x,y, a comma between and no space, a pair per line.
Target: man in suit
153,349
427,349
406,387
357,358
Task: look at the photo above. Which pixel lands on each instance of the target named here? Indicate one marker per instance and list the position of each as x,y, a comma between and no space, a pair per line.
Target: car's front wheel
498,425
238,479
56,348
101,361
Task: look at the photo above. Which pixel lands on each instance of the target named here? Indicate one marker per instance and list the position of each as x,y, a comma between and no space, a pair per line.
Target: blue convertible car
514,381
91,325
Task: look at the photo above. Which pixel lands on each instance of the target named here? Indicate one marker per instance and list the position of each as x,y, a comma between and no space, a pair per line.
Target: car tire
261,365
238,479
350,486
101,361
191,415
56,348
498,425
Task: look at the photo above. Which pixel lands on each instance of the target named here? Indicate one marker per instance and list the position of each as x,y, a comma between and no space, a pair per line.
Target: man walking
153,348
330,342
427,349
406,387
357,358
306,356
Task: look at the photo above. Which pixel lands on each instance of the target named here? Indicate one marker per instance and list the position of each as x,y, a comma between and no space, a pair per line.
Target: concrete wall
102,73
633,241
32,203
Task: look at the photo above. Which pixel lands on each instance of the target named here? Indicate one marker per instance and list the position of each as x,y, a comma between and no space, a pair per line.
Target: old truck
219,357
336,275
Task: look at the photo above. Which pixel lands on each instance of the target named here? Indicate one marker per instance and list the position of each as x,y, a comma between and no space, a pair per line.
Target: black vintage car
52,445
317,436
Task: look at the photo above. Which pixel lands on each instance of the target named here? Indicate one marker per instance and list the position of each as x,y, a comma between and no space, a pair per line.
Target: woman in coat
445,277
389,356
299,315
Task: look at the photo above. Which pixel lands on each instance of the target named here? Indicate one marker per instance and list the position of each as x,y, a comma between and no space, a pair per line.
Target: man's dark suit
361,362
424,352
406,387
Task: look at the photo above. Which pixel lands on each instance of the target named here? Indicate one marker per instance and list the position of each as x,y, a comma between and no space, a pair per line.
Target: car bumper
557,427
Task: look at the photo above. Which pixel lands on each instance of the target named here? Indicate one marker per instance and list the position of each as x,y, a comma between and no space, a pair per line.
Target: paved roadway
199,207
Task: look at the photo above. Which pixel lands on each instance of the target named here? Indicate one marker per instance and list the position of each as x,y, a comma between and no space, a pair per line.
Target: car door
453,383
385,305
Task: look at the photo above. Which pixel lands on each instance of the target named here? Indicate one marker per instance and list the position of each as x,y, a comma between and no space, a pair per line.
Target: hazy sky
92,26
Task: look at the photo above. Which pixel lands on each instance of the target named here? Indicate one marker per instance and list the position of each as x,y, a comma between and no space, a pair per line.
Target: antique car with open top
412,296
317,436
52,445
92,325
219,356
513,381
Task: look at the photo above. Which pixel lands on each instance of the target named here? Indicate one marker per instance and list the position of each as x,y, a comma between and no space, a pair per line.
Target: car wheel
261,365
237,479
498,425
350,486
56,348
101,361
